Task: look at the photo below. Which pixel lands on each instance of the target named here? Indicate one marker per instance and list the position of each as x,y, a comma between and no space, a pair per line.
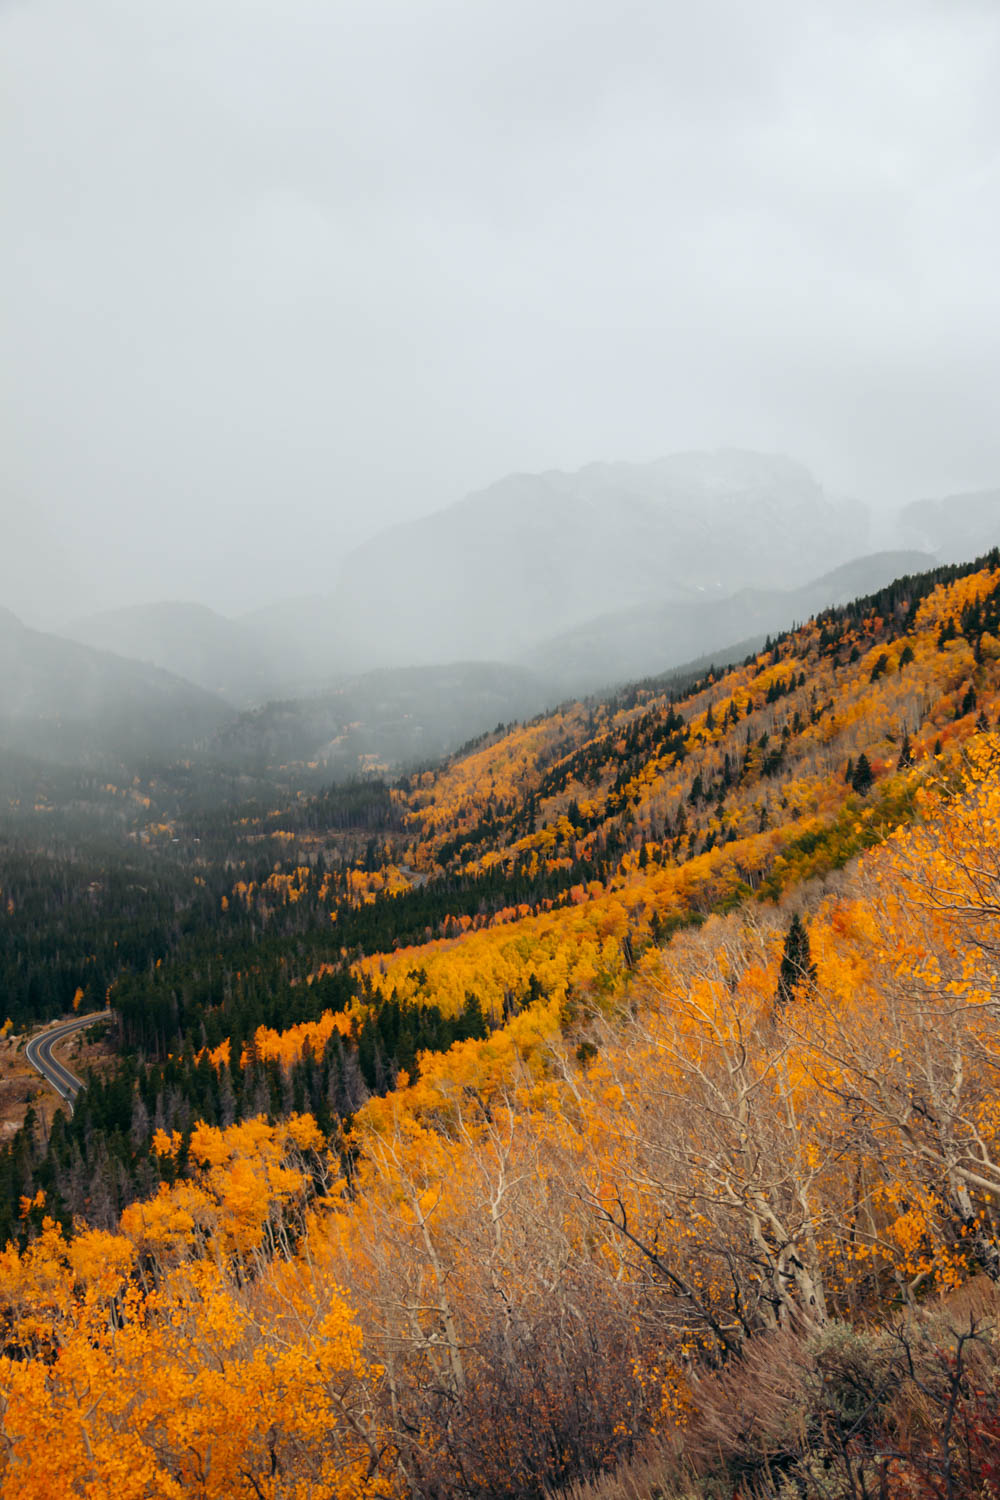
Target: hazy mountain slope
954,527
394,716
641,642
191,640
536,554
391,717
63,700
301,634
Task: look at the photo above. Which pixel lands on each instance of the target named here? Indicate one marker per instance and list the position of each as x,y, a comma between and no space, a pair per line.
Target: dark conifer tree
797,967
863,776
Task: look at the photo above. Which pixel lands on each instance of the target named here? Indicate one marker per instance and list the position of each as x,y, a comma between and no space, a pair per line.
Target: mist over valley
536,589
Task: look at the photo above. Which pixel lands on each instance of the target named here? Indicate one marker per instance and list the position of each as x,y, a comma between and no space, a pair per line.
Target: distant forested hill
66,701
219,655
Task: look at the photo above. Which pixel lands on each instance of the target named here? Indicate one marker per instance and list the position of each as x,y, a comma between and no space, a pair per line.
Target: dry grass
647,1477
20,1086
909,1409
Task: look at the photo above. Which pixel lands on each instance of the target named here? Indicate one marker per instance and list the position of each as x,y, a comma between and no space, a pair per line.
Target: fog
277,274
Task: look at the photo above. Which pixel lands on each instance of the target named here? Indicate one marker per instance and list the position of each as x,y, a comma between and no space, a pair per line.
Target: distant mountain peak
535,554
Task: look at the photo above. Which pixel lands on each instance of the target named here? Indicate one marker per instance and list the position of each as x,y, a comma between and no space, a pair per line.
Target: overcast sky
275,272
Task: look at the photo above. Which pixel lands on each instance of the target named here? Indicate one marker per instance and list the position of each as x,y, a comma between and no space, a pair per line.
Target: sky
276,273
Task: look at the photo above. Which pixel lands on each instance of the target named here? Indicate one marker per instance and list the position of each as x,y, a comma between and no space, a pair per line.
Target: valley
606,1007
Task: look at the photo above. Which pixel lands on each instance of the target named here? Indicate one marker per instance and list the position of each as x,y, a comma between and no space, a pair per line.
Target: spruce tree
863,776
797,967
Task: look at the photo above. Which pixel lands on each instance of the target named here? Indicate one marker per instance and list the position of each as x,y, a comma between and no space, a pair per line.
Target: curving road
39,1053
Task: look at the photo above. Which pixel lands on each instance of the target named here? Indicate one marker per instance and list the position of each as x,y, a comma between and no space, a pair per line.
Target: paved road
39,1053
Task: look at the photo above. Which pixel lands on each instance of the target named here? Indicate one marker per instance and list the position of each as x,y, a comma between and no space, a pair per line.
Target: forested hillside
610,1109
61,699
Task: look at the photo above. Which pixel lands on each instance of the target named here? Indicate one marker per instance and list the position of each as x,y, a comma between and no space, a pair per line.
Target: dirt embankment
21,1086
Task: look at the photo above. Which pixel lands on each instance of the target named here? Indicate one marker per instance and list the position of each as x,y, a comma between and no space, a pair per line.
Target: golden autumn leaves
190,1353
538,1251
549,1231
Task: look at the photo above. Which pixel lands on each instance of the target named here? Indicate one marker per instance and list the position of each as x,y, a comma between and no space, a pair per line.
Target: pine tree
863,776
797,967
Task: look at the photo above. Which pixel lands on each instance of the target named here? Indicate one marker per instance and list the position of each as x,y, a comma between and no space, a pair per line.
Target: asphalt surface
39,1053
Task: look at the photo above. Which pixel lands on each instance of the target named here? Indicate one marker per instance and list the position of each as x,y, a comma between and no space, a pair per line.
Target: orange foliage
657,1153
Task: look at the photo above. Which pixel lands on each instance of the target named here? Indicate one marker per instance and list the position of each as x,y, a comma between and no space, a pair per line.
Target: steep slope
598,1116
191,641
65,701
643,641
747,780
523,857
